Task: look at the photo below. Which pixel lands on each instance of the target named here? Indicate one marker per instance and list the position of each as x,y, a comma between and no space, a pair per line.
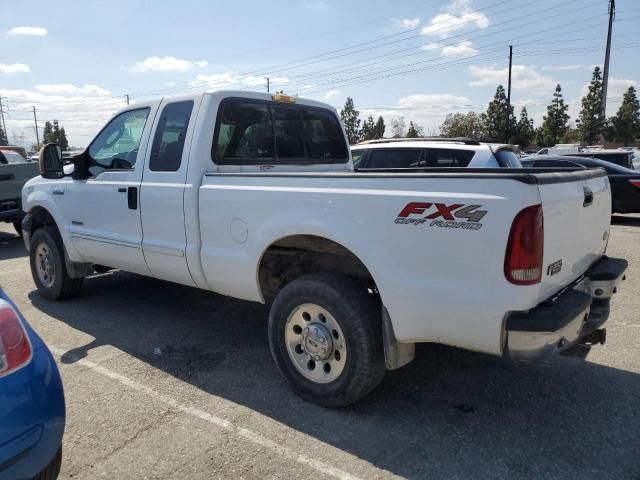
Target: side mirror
51,164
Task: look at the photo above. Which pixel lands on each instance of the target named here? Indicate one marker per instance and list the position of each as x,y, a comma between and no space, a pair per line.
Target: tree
626,123
498,119
54,133
3,137
47,134
398,127
415,131
368,131
592,120
380,127
555,122
62,139
351,121
468,125
525,131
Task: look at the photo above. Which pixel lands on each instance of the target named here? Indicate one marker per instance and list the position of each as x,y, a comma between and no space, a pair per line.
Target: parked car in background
427,153
10,157
14,173
561,149
13,148
32,409
623,158
625,183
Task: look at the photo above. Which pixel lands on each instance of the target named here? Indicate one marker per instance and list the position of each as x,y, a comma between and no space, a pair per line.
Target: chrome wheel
315,343
45,267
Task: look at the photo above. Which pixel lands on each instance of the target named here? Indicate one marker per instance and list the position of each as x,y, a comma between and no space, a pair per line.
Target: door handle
122,189
132,198
588,197
58,191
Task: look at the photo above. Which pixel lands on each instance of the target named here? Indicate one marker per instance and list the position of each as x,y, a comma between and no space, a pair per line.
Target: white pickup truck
254,196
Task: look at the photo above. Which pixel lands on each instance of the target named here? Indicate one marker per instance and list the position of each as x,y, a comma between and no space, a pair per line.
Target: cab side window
116,146
168,142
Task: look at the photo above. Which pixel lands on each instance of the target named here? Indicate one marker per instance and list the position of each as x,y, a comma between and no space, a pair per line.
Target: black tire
63,286
51,471
18,227
358,315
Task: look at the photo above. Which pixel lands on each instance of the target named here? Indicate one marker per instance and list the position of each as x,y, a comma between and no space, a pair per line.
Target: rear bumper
572,317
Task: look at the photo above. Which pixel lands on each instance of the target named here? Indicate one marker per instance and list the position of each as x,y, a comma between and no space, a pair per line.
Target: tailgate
577,213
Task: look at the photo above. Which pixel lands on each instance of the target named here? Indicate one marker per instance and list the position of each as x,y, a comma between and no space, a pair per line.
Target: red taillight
15,348
635,183
523,259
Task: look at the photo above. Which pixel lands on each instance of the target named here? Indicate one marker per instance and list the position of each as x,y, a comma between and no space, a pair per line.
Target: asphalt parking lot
164,381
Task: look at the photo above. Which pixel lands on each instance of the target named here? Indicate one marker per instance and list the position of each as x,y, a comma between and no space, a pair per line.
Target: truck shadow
11,246
626,220
450,413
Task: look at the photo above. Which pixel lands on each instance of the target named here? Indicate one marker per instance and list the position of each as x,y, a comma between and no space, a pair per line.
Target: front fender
33,198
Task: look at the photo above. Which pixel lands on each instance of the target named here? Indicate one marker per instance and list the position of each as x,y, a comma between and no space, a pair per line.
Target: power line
307,77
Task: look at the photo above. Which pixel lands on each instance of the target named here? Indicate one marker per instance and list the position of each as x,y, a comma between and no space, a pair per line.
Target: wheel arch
288,257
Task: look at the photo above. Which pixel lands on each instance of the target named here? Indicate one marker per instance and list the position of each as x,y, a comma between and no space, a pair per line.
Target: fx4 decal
442,215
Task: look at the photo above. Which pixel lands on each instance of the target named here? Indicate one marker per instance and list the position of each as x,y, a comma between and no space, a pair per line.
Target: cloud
457,16
427,110
331,94
405,23
314,4
166,64
562,68
82,110
461,49
431,46
11,68
217,81
523,77
31,31
432,101
68,89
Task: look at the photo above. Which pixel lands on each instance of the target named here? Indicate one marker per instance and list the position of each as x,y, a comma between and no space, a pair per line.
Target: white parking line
220,422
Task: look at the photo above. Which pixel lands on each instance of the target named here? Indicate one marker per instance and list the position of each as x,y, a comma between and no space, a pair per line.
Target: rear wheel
325,336
48,266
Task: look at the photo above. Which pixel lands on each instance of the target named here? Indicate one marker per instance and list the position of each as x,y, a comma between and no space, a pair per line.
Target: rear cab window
250,132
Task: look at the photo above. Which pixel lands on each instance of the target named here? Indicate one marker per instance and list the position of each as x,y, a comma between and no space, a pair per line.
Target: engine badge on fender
442,215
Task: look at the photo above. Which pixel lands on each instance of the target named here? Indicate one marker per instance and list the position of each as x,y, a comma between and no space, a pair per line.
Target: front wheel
48,267
325,336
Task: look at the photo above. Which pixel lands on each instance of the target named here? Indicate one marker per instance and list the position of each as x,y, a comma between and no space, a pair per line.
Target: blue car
32,411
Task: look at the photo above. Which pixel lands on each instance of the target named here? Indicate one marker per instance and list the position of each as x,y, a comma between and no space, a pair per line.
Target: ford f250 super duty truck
254,196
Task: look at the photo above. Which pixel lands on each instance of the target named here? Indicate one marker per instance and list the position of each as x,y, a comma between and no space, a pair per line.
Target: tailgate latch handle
588,196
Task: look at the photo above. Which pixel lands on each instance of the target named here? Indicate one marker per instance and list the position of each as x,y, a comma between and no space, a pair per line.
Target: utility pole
4,125
267,79
605,75
509,91
127,95
35,119
509,84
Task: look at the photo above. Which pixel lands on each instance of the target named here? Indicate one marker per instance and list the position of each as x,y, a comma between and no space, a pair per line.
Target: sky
76,61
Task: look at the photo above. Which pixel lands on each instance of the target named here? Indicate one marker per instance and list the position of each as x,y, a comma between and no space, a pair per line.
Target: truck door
162,193
104,210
